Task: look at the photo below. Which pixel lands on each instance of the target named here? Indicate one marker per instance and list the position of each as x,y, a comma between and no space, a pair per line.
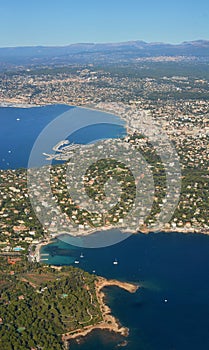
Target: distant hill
109,52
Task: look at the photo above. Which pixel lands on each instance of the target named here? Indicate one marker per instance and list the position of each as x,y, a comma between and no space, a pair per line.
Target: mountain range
101,52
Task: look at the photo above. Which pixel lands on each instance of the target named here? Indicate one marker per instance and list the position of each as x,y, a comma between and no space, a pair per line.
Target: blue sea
20,128
171,309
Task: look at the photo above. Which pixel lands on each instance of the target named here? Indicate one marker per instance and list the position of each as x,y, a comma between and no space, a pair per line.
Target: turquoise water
167,266
17,249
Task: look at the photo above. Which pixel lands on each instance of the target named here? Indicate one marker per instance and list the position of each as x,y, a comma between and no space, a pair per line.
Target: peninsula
108,322
55,304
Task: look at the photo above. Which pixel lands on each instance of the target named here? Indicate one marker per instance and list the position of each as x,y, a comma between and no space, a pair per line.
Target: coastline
36,255
49,240
185,230
21,105
109,321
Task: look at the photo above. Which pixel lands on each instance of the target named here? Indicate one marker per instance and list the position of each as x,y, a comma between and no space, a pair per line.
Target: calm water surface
172,267
20,127
167,266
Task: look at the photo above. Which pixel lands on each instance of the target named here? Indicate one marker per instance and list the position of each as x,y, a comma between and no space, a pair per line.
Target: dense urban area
176,94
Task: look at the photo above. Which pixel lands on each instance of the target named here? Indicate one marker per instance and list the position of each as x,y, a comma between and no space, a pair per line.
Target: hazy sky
53,22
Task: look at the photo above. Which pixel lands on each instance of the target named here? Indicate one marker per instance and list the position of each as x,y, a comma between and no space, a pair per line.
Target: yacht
76,262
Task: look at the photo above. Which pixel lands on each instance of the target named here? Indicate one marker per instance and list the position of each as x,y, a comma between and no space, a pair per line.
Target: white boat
76,261
115,262
81,256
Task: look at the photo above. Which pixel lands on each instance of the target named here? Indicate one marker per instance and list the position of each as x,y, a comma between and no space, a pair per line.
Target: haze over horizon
200,40
67,22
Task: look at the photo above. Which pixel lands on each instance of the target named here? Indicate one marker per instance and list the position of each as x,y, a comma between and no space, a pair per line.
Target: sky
63,22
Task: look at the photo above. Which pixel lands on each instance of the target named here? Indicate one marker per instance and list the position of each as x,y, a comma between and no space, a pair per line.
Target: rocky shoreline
109,322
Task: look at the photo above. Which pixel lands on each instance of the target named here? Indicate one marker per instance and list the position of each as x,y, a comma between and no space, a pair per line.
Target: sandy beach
37,254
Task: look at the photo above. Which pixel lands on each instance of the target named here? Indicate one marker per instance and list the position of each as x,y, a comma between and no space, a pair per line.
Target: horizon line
104,43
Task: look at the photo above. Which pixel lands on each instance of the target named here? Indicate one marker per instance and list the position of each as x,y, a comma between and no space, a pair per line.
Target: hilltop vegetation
38,304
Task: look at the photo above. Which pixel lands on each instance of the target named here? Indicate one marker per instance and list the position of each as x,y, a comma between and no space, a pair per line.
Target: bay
172,267
20,127
169,267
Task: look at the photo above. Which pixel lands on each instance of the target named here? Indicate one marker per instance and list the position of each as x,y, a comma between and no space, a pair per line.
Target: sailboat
115,262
